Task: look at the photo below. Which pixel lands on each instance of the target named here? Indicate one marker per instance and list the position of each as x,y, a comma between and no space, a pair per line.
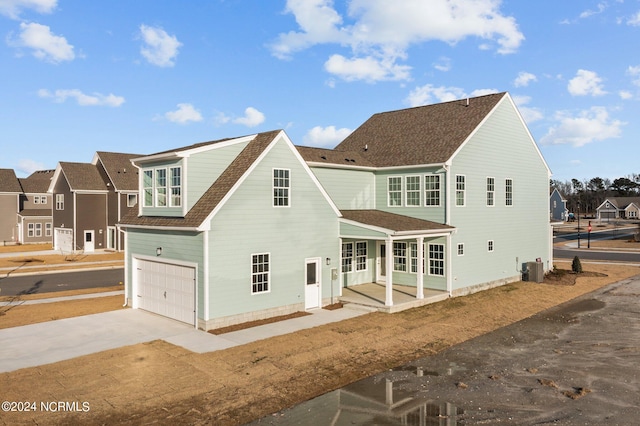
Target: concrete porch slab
373,295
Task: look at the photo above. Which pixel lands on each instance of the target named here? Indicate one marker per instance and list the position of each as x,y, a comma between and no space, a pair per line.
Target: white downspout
449,266
389,278
448,197
205,272
420,274
126,272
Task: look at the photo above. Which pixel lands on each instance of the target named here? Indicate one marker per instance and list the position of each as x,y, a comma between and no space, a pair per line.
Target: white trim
458,249
439,176
512,192
288,188
371,168
401,191
491,246
318,262
205,272
444,261
419,191
464,192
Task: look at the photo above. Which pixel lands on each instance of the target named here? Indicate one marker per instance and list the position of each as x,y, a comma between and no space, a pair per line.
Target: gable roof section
216,192
37,182
80,177
123,174
393,223
9,183
620,203
428,134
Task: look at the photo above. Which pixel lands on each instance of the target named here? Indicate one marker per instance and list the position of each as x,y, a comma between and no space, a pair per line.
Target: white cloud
95,99
326,136
524,78
587,126
160,48
379,32
443,64
634,72
586,83
587,13
252,117
428,94
529,114
634,20
13,8
184,114
369,69
28,166
625,94
46,45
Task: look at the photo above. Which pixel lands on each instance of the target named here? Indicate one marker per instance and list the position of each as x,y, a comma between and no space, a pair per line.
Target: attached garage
166,289
63,240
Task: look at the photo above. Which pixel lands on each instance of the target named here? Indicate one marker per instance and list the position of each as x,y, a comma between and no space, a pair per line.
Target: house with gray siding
230,231
10,191
34,218
558,210
450,197
619,208
88,199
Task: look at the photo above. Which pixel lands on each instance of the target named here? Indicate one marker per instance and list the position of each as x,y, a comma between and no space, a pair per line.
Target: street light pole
578,224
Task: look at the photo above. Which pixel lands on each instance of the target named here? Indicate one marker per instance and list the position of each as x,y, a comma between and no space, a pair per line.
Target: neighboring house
10,191
34,219
449,197
458,187
558,207
619,208
89,199
230,231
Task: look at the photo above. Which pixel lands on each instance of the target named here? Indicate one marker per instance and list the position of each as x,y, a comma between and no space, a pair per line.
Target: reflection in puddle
377,400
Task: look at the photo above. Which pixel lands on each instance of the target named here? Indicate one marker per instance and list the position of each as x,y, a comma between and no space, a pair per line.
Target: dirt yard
157,382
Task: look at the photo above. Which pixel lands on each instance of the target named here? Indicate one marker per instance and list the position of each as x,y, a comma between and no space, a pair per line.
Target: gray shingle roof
216,192
83,176
122,173
623,202
9,182
35,212
392,221
37,182
422,135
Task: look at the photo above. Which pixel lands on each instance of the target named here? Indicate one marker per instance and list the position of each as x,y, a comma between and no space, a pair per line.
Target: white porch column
420,274
449,269
389,278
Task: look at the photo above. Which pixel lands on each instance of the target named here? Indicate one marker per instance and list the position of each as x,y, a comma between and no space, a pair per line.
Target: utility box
535,272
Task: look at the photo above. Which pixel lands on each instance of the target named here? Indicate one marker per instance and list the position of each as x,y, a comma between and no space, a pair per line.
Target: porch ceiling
392,224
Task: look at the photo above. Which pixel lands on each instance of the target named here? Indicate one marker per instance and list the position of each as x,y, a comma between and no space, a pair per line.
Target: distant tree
624,187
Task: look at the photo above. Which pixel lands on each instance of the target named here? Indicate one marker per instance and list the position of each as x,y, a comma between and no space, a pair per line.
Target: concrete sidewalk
53,341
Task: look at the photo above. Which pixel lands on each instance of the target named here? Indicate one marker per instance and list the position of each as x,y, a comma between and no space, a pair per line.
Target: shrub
576,266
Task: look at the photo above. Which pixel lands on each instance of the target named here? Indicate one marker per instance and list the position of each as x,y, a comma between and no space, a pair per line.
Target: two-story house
34,219
229,231
558,210
10,191
469,169
89,199
449,197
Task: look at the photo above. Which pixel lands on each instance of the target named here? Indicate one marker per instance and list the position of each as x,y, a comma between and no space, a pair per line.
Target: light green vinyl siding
205,167
249,224
349,189
367,275
176,245
501,149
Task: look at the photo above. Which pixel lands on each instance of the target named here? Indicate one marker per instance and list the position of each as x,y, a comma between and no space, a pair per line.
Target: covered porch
372,296
398,274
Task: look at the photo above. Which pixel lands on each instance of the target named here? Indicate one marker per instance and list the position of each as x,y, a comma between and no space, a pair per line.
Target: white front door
381,270
89,243
312,283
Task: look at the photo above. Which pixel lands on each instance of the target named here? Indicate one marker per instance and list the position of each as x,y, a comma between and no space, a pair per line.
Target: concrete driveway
53,341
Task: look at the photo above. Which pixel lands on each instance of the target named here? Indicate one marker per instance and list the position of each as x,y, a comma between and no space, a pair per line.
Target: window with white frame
508,192
161,187
175,186
43,199
36,199
38,230
281,186
491,188
412,185
31,230
394,191
132,200
490,245
460,249
460,190
436,259
59,201
47,229
413,257
347,257
147,187
400,256
432,190
260,273
361,256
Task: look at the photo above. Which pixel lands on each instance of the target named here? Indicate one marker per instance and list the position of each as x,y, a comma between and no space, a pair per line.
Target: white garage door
64,240
166,289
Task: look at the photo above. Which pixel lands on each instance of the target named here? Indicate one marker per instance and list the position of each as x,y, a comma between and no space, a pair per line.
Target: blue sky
148,75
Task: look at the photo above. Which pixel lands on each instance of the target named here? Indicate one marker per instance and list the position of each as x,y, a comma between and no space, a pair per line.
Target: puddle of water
376,400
